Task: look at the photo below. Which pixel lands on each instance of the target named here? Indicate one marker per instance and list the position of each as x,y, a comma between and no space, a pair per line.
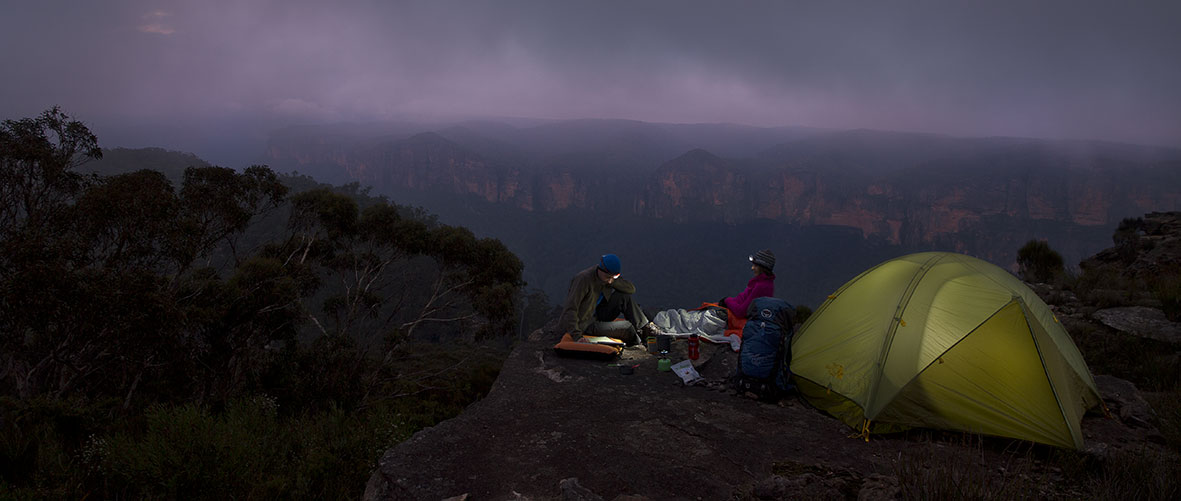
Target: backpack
763,363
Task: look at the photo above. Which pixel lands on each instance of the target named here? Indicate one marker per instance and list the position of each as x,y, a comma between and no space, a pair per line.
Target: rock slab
1140,321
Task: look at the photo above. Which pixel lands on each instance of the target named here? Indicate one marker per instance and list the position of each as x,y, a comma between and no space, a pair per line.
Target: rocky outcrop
1124,401
1146,248
560,428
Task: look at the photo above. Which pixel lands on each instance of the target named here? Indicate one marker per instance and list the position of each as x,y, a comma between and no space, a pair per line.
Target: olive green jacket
579,309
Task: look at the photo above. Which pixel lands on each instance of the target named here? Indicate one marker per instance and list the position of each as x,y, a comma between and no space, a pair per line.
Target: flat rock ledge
562,428
1140,321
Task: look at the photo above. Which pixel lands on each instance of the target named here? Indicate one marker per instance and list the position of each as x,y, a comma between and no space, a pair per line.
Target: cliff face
909,207
956,189
696,186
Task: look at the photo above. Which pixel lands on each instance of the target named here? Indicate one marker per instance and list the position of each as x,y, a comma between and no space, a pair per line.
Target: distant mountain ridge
910,189
123,160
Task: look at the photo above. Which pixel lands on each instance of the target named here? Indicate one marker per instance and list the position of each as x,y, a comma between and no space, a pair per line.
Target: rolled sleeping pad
583,347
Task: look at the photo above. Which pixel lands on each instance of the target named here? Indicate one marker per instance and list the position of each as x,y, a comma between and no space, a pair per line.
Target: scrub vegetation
1024,471
1037,262
236,335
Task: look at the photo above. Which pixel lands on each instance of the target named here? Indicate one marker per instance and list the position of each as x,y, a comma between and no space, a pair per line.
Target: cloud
299,108
1050,68
154,22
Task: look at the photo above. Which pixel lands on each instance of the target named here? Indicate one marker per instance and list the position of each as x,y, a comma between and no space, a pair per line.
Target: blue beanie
610,264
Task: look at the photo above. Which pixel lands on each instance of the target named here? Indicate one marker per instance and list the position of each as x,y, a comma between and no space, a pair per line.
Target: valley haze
229,81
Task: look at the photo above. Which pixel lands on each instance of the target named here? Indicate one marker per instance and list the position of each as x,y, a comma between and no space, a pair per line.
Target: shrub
305,447
1148,363
1037,262
802,314
39,444
1168,413
1127,239
1167,288
1141,474
186,451
248,451
956,475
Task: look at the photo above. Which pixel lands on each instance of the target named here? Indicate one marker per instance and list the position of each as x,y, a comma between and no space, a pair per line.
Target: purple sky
1064,69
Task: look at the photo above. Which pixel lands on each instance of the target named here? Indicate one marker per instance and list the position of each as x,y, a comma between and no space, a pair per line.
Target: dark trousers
612,307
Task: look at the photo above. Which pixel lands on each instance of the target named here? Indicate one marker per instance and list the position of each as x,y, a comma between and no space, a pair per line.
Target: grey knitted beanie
764,258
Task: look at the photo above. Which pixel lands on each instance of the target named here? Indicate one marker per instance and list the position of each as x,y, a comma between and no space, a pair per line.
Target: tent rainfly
942,340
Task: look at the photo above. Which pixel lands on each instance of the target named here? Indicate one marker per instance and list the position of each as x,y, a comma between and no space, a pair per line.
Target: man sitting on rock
597,297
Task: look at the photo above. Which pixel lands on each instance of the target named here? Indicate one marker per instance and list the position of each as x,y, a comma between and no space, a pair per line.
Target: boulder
1124,401
1140,321
573,491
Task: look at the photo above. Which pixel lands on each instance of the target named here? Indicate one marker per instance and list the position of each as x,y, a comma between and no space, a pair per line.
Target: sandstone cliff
910,189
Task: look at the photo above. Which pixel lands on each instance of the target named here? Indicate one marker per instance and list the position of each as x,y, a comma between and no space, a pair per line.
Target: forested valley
221,333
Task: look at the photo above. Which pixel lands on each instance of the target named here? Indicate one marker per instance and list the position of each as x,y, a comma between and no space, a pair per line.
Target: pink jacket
759,286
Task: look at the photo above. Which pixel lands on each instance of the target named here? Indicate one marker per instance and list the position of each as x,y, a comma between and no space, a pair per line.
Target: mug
663,343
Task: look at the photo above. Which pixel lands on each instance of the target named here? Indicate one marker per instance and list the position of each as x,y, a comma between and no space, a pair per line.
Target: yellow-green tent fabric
943,340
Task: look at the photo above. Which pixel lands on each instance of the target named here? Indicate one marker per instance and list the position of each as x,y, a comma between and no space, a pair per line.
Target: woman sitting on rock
760,285
709,321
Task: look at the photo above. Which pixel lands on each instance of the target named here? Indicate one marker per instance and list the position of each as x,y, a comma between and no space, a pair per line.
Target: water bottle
693,353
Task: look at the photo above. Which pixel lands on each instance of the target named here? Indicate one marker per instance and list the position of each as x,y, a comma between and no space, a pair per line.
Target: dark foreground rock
1145,250
1140,321
560,428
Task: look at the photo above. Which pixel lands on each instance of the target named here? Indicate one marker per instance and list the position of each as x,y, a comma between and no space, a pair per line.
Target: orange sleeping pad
589,346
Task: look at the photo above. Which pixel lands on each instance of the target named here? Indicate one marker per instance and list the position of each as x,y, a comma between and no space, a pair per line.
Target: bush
1167,288
1043,473
1141,474
1150,364
1037,262
1168,413
310,446
248,451
1127,239
955,475
40,440
802,314
186,451
252,447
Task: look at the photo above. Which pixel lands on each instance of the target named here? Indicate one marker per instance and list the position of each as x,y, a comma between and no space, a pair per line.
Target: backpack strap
783,361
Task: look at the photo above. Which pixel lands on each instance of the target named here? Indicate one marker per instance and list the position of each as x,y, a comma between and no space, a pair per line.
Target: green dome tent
947,341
